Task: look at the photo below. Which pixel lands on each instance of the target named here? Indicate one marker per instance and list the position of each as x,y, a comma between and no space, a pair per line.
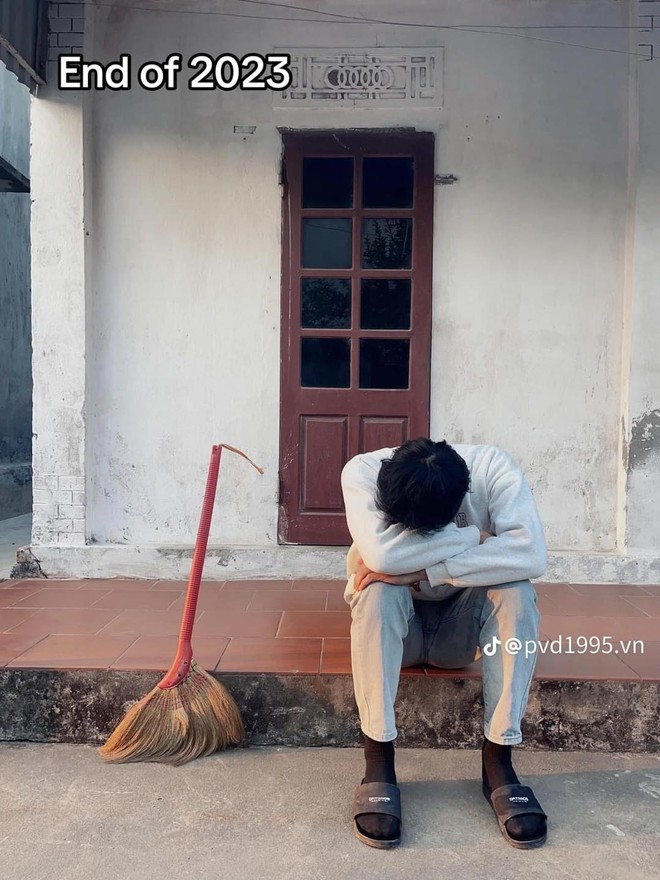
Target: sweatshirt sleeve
393,549
517,551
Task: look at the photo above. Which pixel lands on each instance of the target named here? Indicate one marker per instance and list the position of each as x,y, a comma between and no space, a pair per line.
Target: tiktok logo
490,648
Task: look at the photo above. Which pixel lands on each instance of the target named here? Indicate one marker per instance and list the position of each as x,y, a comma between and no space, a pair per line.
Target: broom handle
199,555
181,663
183,658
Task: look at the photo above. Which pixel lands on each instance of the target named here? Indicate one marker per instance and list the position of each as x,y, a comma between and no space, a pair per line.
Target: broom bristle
175,725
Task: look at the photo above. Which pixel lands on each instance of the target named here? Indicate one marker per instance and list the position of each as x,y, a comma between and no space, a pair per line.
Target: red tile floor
299,626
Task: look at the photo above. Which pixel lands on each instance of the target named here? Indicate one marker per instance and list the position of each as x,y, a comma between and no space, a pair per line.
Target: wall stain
644,438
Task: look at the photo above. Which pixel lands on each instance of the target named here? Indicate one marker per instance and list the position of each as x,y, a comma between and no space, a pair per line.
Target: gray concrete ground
14,533
276,813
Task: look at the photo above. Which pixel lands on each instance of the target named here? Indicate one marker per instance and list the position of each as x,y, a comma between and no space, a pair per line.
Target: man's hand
365,576
484,536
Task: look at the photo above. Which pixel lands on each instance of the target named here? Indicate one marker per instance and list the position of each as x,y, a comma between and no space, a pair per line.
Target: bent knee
380,599
517,595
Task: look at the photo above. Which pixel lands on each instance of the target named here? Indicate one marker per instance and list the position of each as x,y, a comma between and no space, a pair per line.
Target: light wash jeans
445,627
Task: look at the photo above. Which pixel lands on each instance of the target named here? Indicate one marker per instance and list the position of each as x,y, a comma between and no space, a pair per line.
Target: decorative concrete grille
354,77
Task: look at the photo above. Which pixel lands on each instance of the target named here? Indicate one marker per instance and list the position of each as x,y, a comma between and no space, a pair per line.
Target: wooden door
356,313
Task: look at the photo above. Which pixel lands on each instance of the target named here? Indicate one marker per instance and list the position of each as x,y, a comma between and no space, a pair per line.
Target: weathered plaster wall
644,453
529,262
528,268
15,350
183,297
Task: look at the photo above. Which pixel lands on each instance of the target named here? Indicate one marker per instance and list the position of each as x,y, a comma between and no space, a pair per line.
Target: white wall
529,263
644,456
183,293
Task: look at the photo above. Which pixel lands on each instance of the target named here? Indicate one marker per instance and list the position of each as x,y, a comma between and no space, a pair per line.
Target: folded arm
452,556
393,549
517,549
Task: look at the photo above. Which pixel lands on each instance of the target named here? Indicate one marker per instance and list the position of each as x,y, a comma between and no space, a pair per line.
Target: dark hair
422,486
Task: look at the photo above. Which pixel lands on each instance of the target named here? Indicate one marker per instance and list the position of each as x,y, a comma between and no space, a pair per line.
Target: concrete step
75,654
84,705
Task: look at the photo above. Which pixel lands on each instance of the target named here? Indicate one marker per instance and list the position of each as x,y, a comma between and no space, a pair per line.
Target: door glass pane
387,182
325,363
326,302
384,363
326,243
387,243
327,183
385,304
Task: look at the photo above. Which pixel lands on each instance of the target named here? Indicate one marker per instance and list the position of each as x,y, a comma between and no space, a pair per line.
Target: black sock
379,757
496,765
497,770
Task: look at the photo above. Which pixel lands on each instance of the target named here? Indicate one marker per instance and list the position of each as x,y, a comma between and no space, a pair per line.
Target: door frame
335,142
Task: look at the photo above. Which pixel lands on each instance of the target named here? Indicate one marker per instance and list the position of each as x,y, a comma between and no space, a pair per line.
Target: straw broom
188,714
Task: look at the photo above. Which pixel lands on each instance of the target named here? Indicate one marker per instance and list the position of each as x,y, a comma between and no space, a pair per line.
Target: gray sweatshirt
498,501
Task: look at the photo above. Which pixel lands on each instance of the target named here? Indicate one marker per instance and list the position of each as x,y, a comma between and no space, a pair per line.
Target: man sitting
445,542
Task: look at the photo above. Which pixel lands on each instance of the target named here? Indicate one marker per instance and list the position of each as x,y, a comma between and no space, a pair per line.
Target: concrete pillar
58,318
